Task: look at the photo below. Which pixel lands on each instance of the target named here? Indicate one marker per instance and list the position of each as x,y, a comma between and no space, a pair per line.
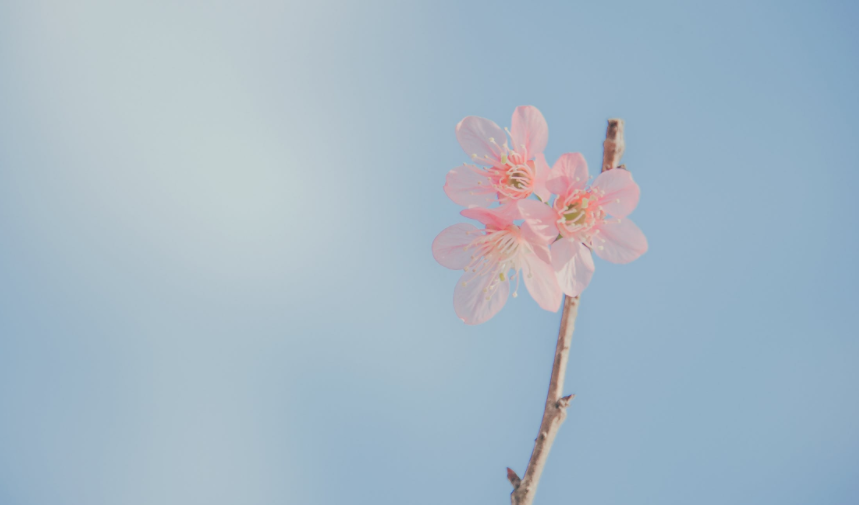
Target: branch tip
614,144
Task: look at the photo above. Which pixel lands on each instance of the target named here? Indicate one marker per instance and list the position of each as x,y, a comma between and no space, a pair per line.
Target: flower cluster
545,242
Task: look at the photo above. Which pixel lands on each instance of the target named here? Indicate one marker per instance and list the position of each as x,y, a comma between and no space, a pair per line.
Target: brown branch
556,406
555,411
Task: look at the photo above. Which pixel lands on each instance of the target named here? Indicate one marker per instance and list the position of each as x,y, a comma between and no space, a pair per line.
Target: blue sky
216,283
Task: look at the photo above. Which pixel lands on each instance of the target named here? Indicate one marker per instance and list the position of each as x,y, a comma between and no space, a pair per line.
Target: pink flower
488,256
513,171
587,219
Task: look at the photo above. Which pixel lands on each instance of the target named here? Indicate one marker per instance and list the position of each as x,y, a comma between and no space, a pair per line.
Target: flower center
579,213
495,246
495,252
513,178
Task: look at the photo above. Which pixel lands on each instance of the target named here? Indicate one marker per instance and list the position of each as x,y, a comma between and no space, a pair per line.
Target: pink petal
474,305
476,135
497,218
542,252
541,176
529,129
468,186
541,221
573,265
450,247
541,283
621,192
619,241
569,173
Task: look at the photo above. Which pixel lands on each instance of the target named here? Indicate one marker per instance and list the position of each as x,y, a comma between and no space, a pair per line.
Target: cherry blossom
511,171
586,219
489,255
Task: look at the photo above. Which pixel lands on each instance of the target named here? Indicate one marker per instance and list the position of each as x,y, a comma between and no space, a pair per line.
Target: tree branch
556,406
554,413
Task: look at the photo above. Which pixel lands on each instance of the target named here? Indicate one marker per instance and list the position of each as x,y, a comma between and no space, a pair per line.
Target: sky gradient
216,283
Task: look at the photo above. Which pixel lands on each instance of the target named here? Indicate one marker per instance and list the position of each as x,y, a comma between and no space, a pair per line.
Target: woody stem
555,410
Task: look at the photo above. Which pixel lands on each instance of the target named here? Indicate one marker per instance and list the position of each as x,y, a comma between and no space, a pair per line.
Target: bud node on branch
565,401
513,478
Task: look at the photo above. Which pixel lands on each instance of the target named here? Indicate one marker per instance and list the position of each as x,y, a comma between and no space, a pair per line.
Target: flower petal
476,136
542,171
468,186
619,241
450,247
573,264
497,218
541,283
540,219
542,252
621,192
529,129
569,173
474,305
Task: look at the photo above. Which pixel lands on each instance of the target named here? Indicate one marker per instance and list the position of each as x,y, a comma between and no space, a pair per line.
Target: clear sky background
216,283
